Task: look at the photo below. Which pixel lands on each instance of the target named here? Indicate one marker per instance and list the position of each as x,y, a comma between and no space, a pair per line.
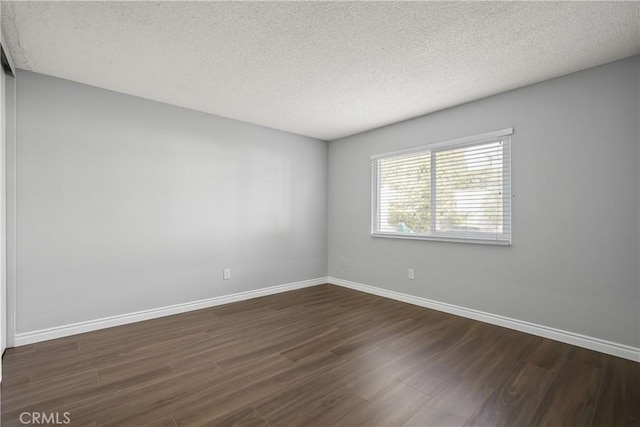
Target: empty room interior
320,213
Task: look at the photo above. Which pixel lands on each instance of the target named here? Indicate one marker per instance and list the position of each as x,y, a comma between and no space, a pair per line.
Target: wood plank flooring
319,356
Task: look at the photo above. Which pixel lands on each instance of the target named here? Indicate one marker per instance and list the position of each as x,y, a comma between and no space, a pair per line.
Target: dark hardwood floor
317,357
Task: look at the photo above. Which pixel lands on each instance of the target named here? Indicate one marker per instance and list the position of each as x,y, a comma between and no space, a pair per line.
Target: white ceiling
322,69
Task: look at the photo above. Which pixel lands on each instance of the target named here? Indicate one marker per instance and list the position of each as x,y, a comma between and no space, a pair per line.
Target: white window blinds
455,190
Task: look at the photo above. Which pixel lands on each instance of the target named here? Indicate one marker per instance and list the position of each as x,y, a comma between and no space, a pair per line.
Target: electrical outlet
411,274
226,274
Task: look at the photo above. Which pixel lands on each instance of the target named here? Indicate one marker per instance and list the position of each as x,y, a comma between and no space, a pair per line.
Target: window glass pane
469,189
404,195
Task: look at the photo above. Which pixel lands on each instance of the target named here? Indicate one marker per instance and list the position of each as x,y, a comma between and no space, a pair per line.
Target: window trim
433,148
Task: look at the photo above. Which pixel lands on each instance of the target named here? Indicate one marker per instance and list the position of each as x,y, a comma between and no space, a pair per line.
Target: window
456,190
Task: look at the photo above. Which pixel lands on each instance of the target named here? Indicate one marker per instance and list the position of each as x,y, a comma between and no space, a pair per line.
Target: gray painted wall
7,105
124,204
10,149
3,214
574,260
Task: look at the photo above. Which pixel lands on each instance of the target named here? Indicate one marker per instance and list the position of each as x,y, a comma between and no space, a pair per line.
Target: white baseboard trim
603,346
608,347
123,319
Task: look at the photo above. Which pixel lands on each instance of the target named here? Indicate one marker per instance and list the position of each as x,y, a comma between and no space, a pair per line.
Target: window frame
433,148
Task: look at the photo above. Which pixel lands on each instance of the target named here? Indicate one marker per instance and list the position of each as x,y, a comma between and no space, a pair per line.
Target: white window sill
477,241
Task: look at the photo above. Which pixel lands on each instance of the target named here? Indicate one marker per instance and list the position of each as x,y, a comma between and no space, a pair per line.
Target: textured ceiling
322,69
